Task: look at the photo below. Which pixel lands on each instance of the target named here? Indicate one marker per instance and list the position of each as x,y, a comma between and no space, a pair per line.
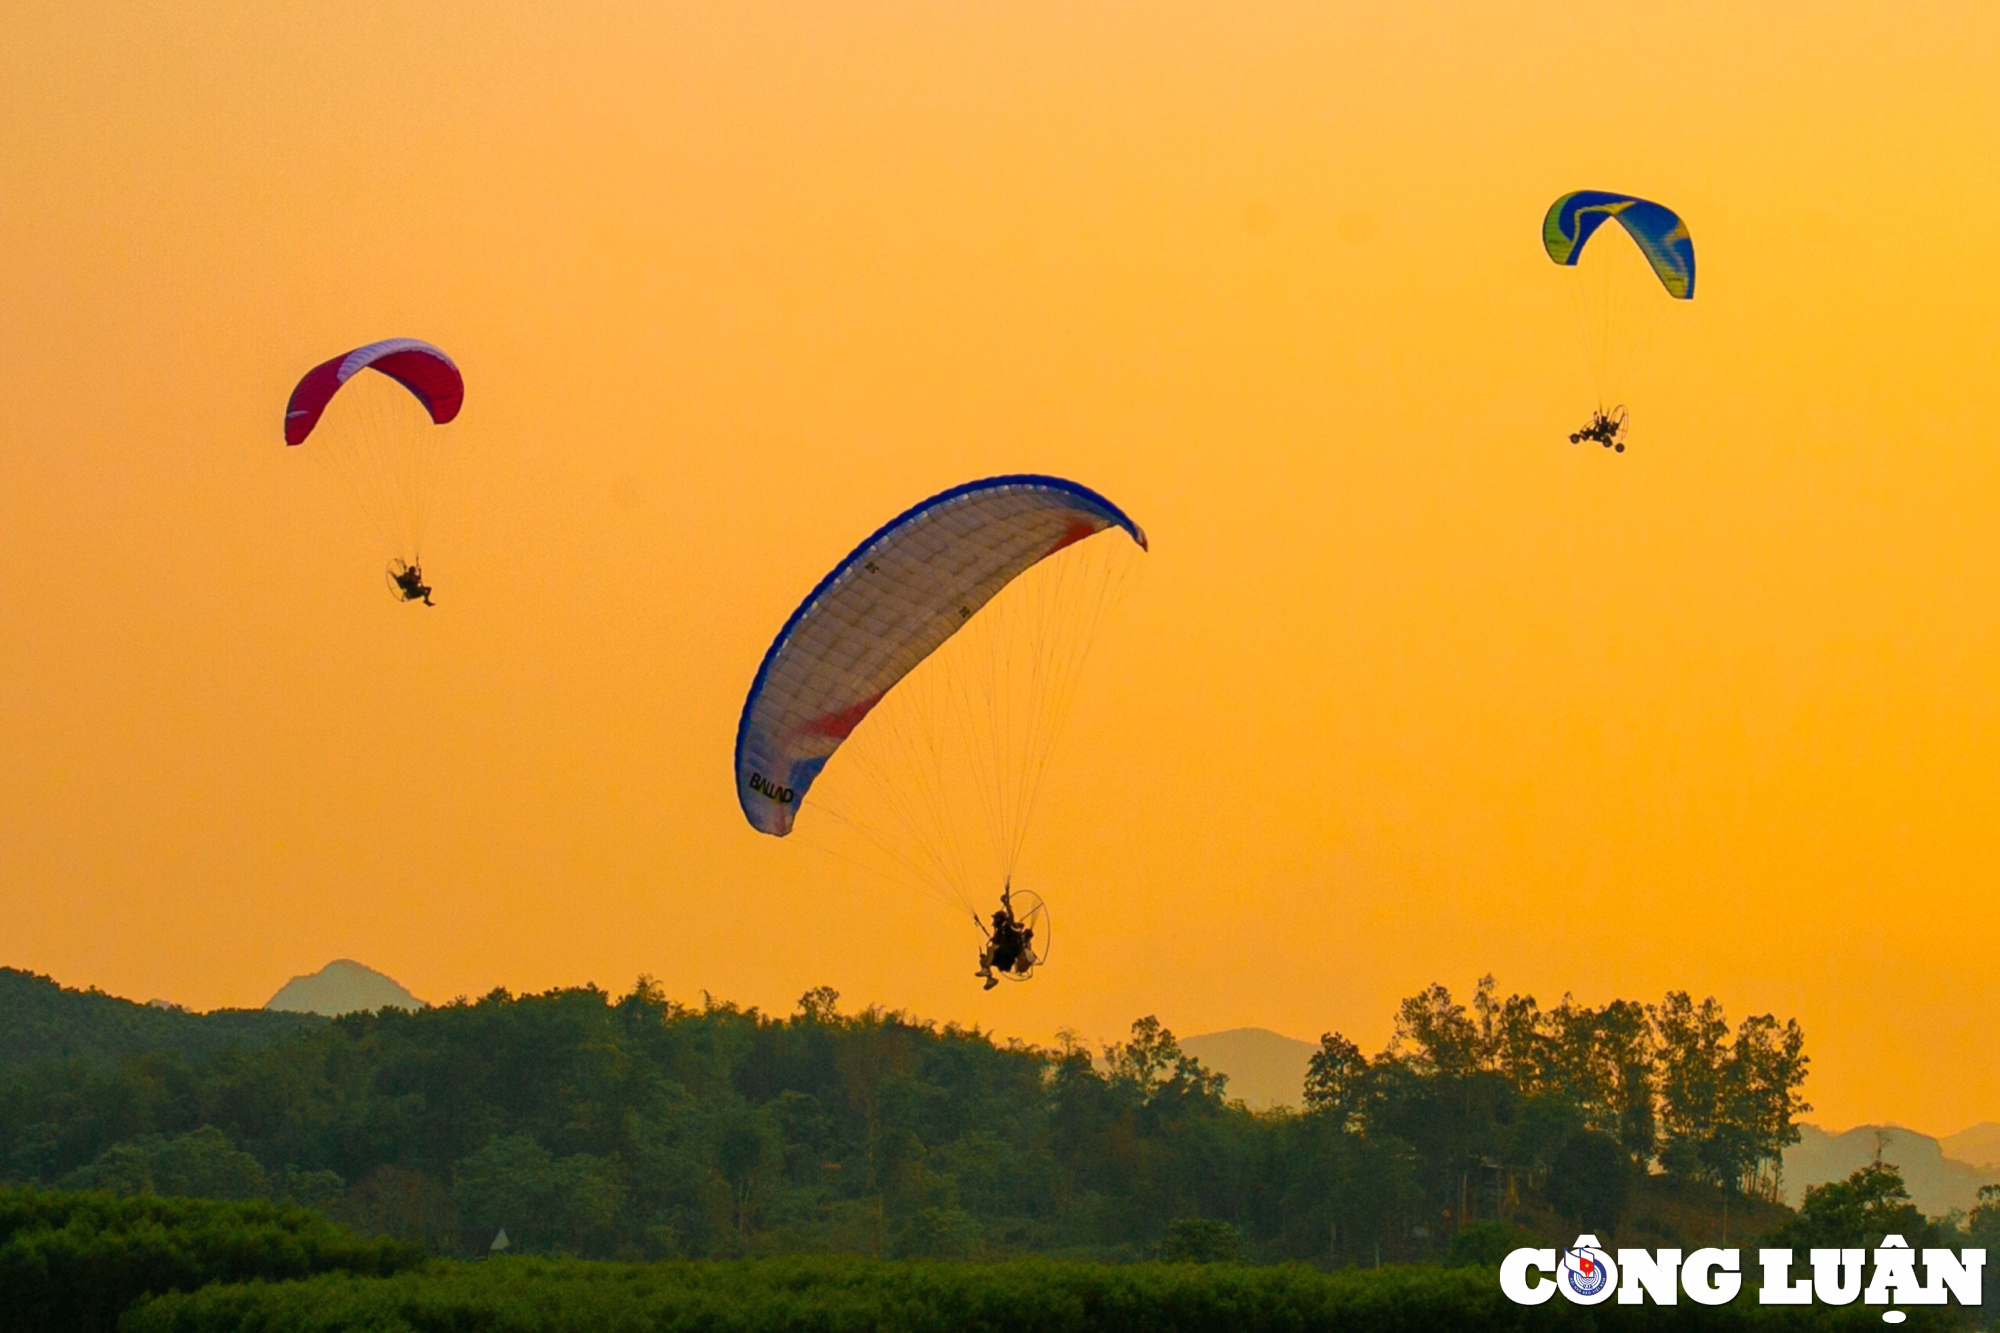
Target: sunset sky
1409,689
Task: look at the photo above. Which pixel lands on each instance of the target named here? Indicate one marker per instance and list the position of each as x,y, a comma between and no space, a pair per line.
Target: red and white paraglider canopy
424,370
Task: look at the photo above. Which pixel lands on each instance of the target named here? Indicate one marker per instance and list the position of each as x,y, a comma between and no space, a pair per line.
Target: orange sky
1410,689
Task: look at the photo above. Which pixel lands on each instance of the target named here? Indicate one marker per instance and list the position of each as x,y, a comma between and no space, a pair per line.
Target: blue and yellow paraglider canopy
1657,230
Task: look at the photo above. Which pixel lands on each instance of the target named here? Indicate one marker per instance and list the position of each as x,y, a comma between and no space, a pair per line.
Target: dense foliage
838,1295
1983,1226
41,1021
637,1128
1860,1210
1592,1095
76,1261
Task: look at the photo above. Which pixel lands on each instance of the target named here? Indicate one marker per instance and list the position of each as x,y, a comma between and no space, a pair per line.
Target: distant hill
1937,1183
42,1021
343,986
1265,1068
1979,1145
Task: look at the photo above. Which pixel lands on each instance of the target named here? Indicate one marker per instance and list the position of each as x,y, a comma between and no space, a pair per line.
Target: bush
75,1262
1200,1240
1485,1244
830,1295
200,1165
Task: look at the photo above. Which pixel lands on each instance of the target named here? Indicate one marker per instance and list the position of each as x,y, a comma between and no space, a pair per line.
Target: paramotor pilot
1010,946
409,581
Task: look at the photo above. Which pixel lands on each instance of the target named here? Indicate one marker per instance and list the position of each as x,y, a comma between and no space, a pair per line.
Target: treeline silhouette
636,1127
42,1022
1577,1107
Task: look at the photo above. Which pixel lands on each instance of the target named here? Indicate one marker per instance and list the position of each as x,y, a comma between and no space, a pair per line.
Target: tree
1857,1212
1337,1082
544,1203
200,1165
821,1004
1147,1059
1693,1044
1512,1040
1982,1225
1603,1060
1436,1035
1590,1181
1200,1240
1728,1108
1761,1102
1153,1064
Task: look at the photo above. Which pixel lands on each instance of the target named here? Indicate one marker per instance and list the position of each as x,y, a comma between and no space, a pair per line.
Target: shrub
75,1262
1200,1240
1485,1243
832,1295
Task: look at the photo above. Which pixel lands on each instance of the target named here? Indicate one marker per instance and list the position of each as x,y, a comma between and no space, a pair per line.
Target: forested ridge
40,1022
637,1127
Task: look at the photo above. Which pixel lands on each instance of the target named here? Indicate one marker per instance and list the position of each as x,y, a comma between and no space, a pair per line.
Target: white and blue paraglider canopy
880,612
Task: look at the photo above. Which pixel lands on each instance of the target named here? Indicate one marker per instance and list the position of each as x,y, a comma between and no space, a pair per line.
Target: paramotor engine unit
939,659
1031,916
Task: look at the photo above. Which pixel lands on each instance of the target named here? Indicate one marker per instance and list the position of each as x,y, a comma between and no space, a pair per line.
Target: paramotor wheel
1032,914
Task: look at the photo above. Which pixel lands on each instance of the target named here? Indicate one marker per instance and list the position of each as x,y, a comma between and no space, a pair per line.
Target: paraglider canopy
1659,232
880,612
424,370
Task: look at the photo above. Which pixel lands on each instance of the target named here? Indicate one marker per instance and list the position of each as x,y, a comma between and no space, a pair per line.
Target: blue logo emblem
1585,1272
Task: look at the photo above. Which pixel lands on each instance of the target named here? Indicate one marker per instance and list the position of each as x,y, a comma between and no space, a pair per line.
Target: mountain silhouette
1979,1145
1266,1069
343,986
1937,1183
